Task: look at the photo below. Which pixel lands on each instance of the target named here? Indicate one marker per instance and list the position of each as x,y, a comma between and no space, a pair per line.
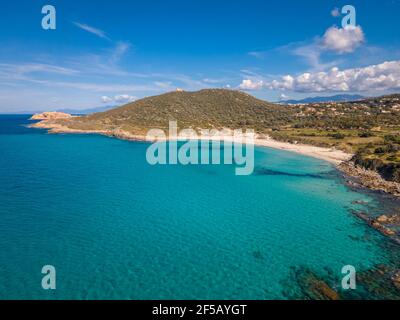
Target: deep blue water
116,227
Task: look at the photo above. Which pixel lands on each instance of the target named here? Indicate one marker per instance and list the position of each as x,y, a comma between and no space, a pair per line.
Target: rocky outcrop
383,229
396,279
358,176
389,171
381,224
50,116
394,219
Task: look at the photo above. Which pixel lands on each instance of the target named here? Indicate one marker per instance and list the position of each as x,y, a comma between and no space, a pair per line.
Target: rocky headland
51,116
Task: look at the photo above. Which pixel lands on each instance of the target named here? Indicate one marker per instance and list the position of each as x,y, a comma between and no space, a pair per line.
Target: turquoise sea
115,227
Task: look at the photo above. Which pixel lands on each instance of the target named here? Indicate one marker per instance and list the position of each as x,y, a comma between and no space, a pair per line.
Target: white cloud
343,40
163,84
249,84
381,77
118,52
124,98
284,96
27,68
318,52
312,55
106,99
335,12
95,31
256,54
118,99
93,86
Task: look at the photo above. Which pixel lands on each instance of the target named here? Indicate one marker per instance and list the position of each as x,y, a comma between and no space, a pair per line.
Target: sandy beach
331,155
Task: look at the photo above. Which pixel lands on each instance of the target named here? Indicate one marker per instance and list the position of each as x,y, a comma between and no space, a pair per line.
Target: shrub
365,134
337,135
392,147
392,138
380,150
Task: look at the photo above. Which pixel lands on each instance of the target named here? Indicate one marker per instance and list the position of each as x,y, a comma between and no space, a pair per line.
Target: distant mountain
86,111
336,98
70,111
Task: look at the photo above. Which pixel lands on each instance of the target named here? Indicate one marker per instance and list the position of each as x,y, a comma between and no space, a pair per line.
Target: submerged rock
385,230
378,224
382,283
314,287
359,201
396,279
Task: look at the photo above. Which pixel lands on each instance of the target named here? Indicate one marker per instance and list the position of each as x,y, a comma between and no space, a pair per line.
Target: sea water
115,227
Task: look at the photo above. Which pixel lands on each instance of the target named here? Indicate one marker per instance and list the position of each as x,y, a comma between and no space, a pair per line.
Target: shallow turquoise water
117,228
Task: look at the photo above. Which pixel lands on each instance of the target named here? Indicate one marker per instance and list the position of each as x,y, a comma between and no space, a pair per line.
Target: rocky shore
357,177
360,177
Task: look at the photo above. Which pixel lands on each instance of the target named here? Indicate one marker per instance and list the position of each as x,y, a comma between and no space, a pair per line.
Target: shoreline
354,176
331,155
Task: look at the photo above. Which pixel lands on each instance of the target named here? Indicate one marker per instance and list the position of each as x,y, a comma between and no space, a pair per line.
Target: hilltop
212,108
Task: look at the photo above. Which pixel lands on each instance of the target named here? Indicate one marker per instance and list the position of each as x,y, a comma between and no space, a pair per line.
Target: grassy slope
204,109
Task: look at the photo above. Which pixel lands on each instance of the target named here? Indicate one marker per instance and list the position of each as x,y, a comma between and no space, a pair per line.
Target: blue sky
111,52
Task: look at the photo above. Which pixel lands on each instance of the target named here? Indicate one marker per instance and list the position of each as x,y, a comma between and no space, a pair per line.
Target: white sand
328,154
331,155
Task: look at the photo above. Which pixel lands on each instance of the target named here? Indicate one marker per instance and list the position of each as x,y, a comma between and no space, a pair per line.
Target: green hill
212,108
